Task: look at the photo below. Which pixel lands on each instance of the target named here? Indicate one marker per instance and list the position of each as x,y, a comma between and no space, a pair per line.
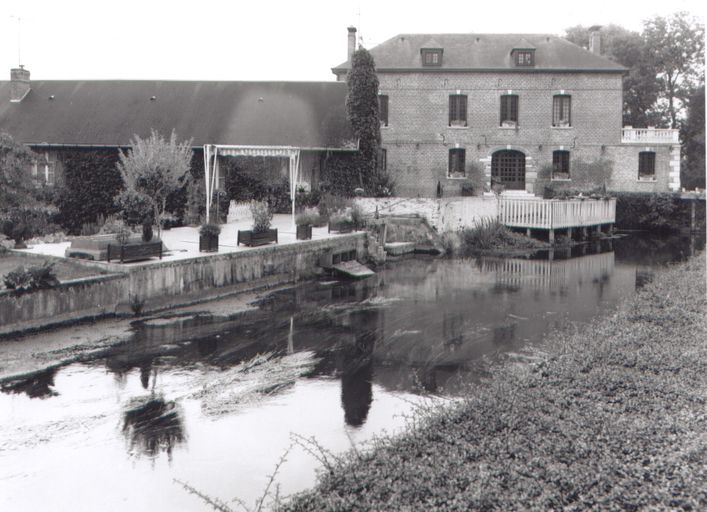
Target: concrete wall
418,138
446,214
169,284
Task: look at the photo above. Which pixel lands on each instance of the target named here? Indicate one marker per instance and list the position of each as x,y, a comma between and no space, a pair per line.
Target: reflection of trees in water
38,385
152,425
504,334
357,368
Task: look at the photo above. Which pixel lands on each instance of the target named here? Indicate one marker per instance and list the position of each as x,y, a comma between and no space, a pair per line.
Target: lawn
64,269
612,418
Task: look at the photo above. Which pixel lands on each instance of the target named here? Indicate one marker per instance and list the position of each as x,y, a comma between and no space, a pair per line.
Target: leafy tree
693,137
675,47
16,188
154,168
640,87
362,112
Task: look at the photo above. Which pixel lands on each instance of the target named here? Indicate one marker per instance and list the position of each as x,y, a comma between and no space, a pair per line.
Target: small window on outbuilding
646,165
509,110
431,56
524,57
457,163
383,109
457,110
560,165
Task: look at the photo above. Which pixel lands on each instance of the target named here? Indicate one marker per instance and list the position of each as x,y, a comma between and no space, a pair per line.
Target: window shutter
462,109
451,109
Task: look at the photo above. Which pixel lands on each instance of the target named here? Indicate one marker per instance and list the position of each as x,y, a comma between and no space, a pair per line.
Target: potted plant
208,237
305,220
261,234
341,221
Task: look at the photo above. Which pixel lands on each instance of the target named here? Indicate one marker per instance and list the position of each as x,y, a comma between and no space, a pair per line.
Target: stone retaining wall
169,283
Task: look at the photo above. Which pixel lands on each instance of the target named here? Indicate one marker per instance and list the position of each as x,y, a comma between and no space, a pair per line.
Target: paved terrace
183,243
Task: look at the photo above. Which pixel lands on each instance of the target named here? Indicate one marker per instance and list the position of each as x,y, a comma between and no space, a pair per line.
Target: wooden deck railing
556,213
650,136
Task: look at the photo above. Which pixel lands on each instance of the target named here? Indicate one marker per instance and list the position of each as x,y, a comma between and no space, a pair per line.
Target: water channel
216,404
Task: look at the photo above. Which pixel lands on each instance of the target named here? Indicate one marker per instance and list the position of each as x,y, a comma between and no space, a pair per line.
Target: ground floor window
44,171
646,165
560,165
457,160
382,159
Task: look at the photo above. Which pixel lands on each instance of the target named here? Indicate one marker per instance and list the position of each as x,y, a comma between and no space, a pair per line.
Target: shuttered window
509,109
562,110
383,109
646,165
560,165
457,110
457,162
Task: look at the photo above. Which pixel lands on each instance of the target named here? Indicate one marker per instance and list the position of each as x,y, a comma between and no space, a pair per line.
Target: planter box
208,243
304,232
252,239
95,247
341,227
135,251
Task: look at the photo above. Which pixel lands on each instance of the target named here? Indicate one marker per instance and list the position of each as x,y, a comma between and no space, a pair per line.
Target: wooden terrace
553,214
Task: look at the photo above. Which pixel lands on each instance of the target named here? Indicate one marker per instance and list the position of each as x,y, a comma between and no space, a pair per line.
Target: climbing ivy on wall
91,181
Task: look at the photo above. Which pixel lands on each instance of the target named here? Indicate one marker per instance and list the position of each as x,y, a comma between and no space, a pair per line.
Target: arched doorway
508,169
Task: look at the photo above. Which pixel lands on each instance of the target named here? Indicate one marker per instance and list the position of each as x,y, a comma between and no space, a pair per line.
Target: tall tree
693,137
362,112
16,187
675,47
640,86
154,168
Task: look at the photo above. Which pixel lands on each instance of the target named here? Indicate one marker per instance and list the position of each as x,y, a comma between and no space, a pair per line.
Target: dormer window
431,56
524,57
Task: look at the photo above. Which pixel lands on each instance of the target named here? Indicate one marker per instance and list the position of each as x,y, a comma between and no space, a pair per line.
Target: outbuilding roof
111,112
486,52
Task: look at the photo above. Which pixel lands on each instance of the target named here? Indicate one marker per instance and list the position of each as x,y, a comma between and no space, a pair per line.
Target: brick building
461,112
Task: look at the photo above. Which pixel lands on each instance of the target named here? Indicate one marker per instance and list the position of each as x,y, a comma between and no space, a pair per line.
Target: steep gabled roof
110,112
486,52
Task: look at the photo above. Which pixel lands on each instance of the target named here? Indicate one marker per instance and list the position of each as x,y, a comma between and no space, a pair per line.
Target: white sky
264,39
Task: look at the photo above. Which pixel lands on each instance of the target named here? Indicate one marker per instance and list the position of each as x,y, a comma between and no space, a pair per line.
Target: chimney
19,83
352,43
595,39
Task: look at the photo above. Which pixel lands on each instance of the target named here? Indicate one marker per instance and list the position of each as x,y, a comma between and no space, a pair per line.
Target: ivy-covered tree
16,187
362,112
693,137
154,168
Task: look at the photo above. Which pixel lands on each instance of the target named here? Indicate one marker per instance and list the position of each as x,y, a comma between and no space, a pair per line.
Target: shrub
26,279
340,216
135,207
658,212
262,215
331,203
309,217
25,222
491,235
210,230
123,235
358,216
111,225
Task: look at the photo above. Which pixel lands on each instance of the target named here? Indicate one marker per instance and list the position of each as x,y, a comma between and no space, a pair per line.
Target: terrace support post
692,216
551,236
569,234
584,233
598,227
527,232
611,230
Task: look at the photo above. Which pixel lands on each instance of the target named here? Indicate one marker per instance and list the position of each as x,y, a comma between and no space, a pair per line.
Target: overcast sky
264,39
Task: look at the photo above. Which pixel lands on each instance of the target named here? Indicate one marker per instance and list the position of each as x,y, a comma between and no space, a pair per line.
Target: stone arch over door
508,169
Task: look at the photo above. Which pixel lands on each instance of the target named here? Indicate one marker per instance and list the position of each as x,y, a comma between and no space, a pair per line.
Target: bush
135,207
309,217
340,216
26,279
655,212
25,222
358,216
330,203
491,235
111,225
210,230
123,235
262,215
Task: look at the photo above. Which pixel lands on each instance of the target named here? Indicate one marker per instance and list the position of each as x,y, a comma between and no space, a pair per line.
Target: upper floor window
562,110
382,160
431,56
509,110
560,165
646,165
524,57
457,162
383,109
457,110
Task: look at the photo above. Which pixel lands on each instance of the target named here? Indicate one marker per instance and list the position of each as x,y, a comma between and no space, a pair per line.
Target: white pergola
211,167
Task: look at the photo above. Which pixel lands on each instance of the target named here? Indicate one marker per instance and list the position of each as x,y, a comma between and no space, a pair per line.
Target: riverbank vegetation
489,237
612,417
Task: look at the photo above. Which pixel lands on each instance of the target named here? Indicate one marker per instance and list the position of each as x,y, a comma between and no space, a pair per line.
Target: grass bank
613,418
